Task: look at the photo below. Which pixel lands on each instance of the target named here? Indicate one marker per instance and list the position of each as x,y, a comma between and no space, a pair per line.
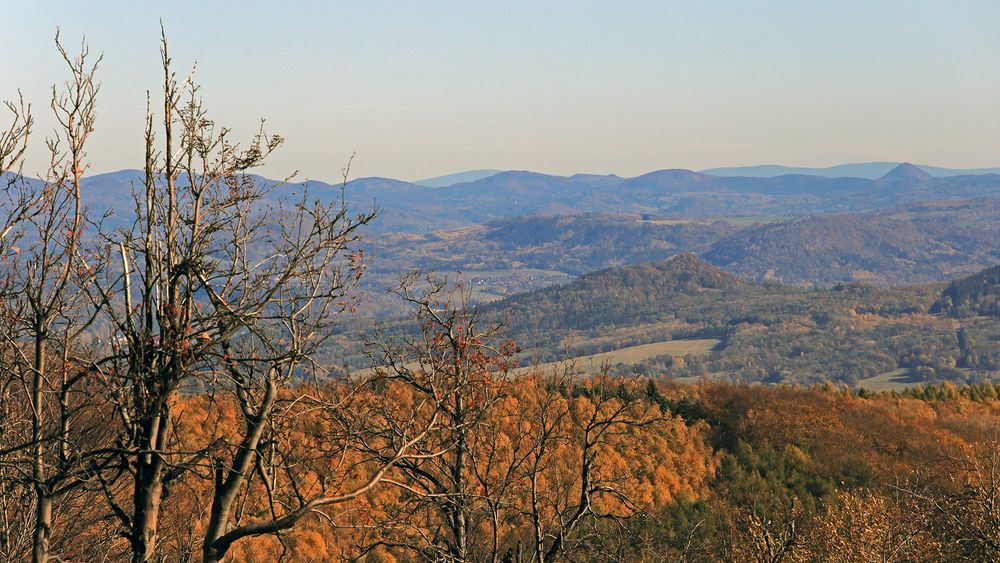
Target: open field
748,220
736,221
895,380
630,355
491,285
670,221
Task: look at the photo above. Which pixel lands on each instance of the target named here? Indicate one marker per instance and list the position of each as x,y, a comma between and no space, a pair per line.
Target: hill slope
932,241
765,332
978,294
917,243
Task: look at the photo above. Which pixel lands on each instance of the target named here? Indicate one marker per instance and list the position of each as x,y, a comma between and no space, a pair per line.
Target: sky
421,89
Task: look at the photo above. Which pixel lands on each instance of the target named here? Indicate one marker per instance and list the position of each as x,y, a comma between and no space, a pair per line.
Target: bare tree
460,367
961,504
15,522
581,505
14,139
763,530
46,306
228,286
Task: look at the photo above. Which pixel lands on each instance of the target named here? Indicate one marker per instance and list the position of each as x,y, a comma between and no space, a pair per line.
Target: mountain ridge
868,170
668,193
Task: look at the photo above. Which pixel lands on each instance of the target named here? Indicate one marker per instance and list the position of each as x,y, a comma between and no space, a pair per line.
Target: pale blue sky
421,89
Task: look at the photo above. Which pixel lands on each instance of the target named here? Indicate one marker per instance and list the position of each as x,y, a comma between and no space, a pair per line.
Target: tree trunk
148,488
43,503
43,526
227,484
459,517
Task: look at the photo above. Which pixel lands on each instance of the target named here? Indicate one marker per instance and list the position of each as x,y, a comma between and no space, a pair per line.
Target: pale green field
755,219
895,380
630,355
501,283
690,380
669,221
736,221
478,295
470,274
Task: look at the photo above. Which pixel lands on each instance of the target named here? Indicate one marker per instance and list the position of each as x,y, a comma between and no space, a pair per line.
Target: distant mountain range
663,193
681,194
870,170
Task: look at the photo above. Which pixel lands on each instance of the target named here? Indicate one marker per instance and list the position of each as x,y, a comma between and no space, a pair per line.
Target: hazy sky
426,88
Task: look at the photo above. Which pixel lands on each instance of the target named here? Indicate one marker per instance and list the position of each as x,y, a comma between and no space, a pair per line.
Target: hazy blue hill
665,193
605,180
118,181
457,178
941,172
905,173
519,193
8,179
386,186
869,170
524,184
801,184
672,180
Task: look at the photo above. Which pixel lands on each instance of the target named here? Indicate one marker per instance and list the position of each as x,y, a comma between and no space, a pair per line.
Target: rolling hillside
772,333
924,242
972,296
918,243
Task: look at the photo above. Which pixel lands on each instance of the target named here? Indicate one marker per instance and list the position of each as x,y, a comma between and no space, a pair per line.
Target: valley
927,242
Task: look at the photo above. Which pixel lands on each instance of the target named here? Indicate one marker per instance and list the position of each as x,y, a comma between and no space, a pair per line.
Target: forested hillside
976,295
851,333
932,241
919,243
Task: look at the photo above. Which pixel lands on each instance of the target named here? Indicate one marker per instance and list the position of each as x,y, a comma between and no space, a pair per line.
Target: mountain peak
905,171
